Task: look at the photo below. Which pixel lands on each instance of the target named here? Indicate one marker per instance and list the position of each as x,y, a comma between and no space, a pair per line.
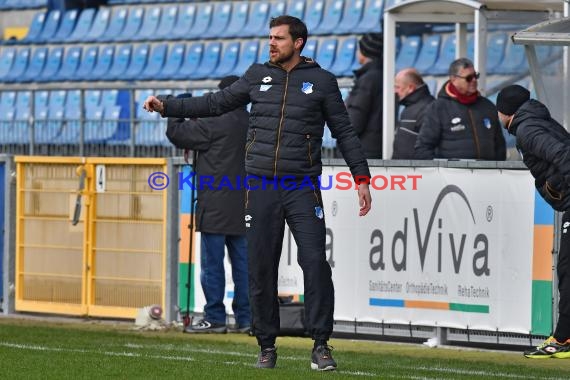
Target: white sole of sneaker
328,368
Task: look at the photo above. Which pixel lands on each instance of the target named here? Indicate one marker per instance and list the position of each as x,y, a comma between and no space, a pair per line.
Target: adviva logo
451,243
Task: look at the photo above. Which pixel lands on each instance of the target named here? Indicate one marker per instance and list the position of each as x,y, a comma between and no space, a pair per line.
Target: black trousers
268,206
562,332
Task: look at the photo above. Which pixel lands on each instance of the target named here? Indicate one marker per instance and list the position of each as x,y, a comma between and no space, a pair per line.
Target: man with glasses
461,124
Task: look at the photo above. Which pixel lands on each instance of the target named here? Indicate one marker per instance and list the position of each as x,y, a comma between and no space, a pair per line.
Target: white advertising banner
440,247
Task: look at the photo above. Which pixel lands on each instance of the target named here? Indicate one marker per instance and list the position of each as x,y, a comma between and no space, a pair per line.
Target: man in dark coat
545,148
220,142
364,103
461,123
414,95
291,99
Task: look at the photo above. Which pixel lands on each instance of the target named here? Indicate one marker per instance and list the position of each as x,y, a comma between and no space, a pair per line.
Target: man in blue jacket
291,99
545,148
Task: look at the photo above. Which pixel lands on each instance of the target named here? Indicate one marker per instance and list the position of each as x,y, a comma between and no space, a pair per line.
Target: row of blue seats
207,20
432,54
197,60
22,4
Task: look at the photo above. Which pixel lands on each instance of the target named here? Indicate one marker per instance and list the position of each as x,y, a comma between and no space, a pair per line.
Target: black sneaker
204,326
550,348
267,358
240,329
321,358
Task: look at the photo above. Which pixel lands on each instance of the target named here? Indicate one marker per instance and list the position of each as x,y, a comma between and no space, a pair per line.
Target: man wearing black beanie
545,148
364,103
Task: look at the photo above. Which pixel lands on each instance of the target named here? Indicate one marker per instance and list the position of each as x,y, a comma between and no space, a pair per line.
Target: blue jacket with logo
451,129
287,118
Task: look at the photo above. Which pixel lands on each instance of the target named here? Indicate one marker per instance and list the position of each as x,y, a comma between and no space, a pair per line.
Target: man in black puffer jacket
291,99
461,123
220,143
414,95
545,148
364,103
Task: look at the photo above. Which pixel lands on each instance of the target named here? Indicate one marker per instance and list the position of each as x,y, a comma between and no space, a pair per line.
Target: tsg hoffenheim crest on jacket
307,88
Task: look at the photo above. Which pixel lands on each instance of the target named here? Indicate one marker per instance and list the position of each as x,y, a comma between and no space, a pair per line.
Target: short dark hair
458,64
297,28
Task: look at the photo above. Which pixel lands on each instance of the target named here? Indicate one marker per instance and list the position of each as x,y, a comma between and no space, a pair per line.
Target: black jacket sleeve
430,134
359,105
338,121
189,134
212,104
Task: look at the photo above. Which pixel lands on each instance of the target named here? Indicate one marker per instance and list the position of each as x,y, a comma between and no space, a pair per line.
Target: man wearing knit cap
545,148
461,124
364,102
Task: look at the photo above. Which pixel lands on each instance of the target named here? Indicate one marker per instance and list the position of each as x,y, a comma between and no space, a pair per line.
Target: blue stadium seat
344,57
66,26
204,15
20,133
353,10
103,65
36,66
108,127
20,65
92,98
184,22
23,99
168,20
496,43
431,83
53,64
149,129
296,8
41,109
327,53
137,63
53,126
173,62
220,19
70,130
331,17
237,21
256,20
51,25
7,99
83,25
310,49
132,25
314,15
120,63
86,65
8,107
150,22
7,61
264,52
192,60
277,8
428,53
409,52
209,62
70,64
514,61
229,60
98,26
372,18
155,63
35,28
446,56
116,24
248,56
93,122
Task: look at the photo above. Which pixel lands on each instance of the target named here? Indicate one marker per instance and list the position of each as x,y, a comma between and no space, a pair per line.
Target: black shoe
267,358
240,329
321,358
550,348
203,326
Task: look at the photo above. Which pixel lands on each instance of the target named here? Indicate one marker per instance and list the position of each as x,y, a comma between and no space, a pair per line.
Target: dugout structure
464,14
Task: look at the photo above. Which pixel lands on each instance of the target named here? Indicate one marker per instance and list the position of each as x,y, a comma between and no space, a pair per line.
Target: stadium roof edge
468,6
550,32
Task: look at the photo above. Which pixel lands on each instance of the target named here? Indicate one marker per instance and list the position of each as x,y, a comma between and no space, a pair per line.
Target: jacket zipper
308,137
250,144
475,136
280,125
